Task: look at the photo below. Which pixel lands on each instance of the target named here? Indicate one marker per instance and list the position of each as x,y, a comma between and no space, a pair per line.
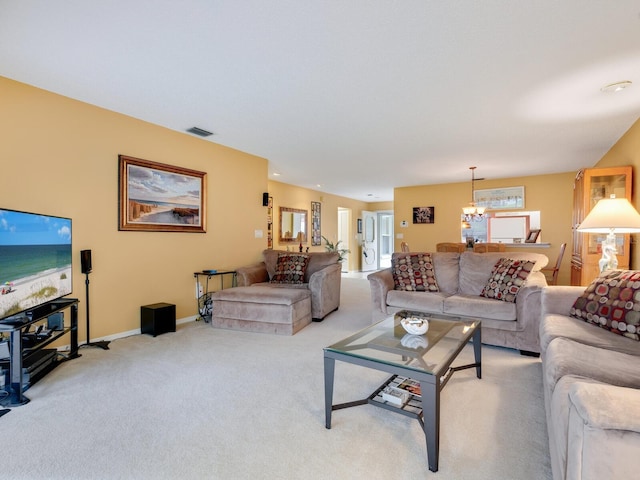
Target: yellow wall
285,195
60,157
552,195
626,151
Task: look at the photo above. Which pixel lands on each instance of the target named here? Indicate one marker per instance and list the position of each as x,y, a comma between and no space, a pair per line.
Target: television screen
35,260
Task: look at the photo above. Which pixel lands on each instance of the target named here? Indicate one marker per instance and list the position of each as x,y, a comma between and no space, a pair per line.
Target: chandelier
472,212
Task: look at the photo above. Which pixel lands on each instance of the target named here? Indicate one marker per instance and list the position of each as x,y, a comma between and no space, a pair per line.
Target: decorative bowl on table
415,325
414,341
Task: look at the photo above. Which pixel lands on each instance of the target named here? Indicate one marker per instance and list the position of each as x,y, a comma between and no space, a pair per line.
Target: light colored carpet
220,404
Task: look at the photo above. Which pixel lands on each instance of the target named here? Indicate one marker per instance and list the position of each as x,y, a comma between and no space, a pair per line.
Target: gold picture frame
154,197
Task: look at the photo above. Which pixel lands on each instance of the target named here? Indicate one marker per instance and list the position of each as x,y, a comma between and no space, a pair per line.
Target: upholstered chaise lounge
281,294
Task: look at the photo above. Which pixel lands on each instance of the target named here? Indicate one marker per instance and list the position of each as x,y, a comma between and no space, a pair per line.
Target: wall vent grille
199,131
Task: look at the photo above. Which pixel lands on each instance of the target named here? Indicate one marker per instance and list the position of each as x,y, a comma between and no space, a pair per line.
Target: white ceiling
357,96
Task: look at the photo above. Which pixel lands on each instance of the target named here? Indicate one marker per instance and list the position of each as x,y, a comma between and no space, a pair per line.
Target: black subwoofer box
158,318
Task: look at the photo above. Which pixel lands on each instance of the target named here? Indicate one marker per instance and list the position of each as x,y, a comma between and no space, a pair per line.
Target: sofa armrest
250,274
324,286
559,299
607,407
604,431
528,308
380,282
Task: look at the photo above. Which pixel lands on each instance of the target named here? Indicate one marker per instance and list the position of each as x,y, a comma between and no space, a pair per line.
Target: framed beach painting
155,197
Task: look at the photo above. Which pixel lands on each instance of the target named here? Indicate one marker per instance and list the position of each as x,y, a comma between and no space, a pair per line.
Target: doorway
369,241
344,219
385,239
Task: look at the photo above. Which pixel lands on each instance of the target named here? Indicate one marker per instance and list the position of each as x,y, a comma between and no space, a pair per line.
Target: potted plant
331,247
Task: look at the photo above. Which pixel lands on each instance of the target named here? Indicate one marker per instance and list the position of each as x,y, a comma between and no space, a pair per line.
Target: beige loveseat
322,279
591,380
461,278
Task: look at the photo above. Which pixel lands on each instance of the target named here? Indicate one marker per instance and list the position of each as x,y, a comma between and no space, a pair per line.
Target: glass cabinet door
594,185
603,185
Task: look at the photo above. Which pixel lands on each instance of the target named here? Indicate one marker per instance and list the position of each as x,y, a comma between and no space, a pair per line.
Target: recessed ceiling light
616,87
276,174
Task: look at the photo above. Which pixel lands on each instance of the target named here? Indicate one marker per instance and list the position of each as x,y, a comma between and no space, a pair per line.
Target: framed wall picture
155,197
509,198
533,235
316,235
424,214
270,223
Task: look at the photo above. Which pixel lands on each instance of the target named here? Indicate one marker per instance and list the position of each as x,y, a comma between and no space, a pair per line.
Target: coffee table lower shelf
412,408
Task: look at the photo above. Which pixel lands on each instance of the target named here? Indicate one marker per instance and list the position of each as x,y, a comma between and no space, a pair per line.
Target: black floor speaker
85,261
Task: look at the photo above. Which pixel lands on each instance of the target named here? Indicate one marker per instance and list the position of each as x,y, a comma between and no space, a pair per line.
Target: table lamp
611,215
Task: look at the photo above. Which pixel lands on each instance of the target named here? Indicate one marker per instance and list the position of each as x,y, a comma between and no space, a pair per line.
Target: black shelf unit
35,358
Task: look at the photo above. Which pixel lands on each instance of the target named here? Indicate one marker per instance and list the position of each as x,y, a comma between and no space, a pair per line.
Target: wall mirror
293,225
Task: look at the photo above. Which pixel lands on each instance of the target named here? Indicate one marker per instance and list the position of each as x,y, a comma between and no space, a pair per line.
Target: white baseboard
115,336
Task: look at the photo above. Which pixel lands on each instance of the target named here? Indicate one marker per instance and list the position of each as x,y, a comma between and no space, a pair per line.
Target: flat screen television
35,260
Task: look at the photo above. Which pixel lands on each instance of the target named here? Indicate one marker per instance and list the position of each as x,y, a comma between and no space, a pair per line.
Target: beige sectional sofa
461,278
591,380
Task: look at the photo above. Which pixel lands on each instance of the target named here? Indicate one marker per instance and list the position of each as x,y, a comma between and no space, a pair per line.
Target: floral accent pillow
290,268
612,302
414,272
507,278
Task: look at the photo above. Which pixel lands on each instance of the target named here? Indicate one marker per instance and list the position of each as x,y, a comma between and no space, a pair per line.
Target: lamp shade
612,215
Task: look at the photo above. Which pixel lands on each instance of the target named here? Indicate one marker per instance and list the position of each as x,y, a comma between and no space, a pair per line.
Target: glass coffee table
423,360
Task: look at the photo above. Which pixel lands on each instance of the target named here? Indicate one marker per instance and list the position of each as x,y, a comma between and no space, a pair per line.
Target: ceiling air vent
199,131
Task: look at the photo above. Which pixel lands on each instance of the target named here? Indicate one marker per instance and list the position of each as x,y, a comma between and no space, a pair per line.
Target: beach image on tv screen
35,260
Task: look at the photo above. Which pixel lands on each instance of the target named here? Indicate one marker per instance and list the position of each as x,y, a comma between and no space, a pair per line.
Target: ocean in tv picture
20,261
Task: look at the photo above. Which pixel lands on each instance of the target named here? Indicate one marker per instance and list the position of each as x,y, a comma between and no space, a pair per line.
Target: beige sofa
322,279
591,381
461,278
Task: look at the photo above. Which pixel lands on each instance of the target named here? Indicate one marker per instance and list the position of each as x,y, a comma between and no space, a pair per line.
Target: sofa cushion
320,260
317,261
475,268
404,300
414,272
506,279
475,306
446,266
290,268
270,260
612,302
554,325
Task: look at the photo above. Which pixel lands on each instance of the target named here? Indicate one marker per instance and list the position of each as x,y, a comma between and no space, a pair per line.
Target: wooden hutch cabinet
591,185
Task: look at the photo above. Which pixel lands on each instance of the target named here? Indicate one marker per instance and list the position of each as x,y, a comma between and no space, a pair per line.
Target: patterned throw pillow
612,302
506,279
290,268
414,272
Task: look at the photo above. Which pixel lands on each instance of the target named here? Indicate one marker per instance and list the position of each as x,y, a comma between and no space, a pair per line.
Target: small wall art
424,214
316,235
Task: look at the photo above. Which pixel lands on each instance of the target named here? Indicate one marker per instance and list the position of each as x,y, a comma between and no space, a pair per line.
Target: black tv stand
34,358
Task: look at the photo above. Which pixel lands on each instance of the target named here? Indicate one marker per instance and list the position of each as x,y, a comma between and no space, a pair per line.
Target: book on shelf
411,386
395,397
